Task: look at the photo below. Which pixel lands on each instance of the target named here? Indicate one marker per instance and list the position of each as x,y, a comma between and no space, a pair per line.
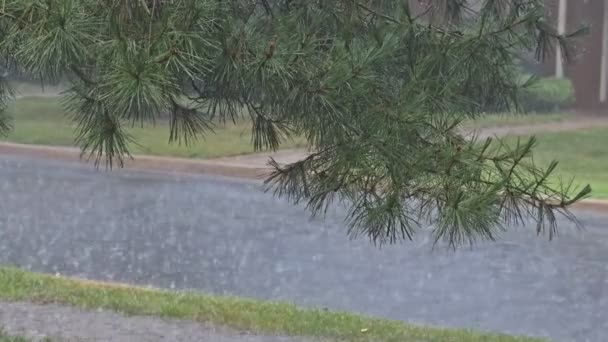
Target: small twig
267,7
384,16
82,75
425,12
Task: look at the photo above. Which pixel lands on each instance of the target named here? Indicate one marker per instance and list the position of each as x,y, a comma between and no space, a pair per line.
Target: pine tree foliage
377,87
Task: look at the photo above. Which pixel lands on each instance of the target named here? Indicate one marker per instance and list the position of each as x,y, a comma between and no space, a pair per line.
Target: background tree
377,90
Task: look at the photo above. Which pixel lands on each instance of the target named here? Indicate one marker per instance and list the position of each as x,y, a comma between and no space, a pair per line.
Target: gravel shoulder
65,324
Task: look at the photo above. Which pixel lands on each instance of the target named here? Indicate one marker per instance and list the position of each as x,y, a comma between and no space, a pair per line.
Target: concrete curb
592,204
142,162
193,166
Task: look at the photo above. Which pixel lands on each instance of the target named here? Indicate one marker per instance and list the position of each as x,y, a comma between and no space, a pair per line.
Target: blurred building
589,71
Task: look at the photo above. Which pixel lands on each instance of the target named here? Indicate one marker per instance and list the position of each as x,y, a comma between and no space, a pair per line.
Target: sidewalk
67,324
259,160
576,123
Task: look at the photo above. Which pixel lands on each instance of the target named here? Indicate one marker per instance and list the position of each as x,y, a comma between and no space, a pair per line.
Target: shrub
548,95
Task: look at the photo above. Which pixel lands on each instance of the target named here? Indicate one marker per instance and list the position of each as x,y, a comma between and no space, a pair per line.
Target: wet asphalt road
227,237
69,324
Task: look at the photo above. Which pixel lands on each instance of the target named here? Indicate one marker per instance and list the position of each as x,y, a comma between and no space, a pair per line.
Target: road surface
69,324
226,236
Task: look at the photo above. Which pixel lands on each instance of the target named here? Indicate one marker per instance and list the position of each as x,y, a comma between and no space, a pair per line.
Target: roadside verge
53,299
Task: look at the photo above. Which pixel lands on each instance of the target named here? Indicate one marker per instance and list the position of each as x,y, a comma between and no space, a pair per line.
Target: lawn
42,120
515,119
581,154
4,337
242,314
9,338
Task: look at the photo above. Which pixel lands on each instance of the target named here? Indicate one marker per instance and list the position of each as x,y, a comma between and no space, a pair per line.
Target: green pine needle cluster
377,88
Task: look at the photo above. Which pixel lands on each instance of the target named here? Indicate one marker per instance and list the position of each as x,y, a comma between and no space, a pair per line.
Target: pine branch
376,91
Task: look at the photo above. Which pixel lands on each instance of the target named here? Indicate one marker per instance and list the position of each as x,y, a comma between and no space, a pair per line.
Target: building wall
549,66
589,70
586,71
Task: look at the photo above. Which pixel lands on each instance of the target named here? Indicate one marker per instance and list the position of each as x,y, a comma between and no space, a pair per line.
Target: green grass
513,120
4,337
238,313
40,120
581,154
9,338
